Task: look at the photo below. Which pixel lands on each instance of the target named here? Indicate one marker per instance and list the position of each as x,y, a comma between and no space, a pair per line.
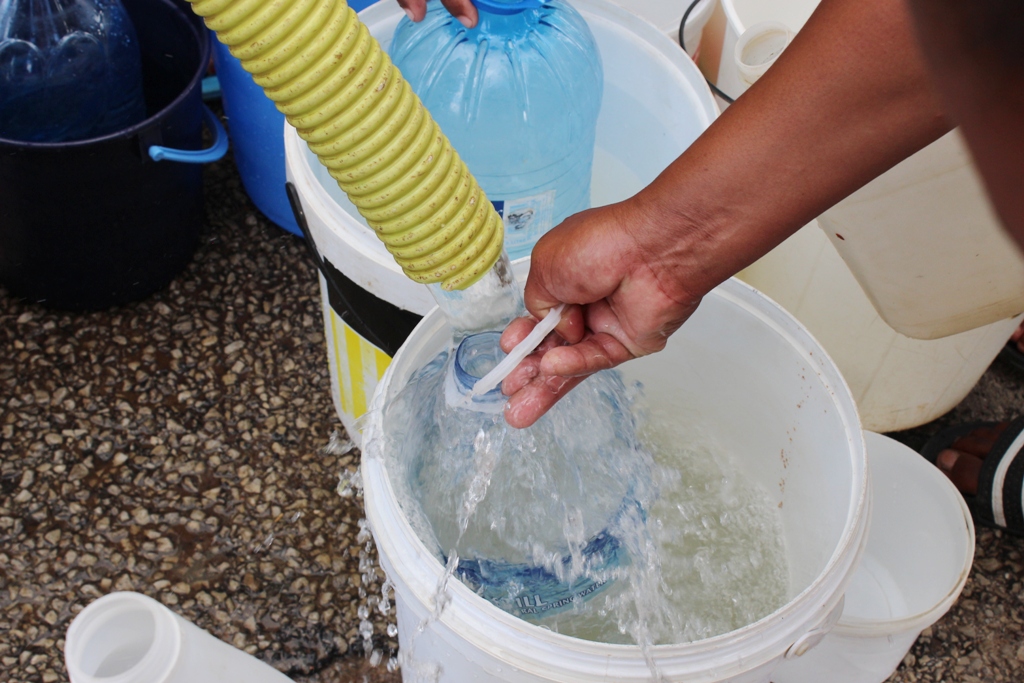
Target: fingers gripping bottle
519,96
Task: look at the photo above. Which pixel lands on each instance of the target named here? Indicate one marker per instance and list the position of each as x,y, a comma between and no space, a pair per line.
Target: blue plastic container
68,70
94,223
256,129
518,96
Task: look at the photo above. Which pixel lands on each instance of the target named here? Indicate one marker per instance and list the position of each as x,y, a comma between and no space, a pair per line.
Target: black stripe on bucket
379,322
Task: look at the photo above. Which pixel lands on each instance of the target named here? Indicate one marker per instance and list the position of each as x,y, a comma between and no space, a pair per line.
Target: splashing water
712,556
532,514
350,484
697,554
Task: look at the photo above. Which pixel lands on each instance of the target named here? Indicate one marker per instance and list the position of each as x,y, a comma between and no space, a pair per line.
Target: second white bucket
750,375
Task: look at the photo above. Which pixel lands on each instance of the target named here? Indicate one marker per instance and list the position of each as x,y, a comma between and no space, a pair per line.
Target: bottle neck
476,355
514,24
489,304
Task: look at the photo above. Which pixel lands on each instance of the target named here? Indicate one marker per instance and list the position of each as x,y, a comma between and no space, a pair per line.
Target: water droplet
366,629
338,444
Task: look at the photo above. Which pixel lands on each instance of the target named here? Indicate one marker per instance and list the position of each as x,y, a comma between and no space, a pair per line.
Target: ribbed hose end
338,88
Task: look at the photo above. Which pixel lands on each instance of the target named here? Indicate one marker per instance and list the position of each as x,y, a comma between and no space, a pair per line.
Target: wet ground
178,447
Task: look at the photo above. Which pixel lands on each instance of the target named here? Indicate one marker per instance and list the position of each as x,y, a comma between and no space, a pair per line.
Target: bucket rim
728,653
202,42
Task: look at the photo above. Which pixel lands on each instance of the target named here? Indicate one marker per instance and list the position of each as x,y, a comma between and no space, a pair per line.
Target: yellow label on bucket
356,367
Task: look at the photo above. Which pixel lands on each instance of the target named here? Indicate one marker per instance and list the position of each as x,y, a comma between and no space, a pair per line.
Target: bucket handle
196,156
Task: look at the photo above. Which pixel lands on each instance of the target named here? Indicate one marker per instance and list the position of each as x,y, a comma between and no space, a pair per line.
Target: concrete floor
176,447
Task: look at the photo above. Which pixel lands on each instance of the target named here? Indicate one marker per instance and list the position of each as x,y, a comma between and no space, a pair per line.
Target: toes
980,441
962,469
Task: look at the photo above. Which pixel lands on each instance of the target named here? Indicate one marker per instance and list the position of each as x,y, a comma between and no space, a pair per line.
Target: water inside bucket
748,375
718,540
605,546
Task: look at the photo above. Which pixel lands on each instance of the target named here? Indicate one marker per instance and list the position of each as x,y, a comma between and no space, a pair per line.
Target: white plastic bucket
918,556
655,104
916,223
752,377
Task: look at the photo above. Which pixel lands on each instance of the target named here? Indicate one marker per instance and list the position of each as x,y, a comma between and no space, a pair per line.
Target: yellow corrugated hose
338,88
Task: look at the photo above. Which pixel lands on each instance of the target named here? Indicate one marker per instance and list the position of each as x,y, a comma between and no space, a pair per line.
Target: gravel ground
181,447
175,447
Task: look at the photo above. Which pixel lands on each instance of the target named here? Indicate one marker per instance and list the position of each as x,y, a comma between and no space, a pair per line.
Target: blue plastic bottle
518,96
557,507
69,70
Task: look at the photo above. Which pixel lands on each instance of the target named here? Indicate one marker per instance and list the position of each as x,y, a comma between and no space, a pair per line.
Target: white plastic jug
750,375
924,243
921,239
127,637
898,381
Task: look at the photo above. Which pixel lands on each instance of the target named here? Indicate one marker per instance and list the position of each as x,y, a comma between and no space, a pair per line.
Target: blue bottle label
532,592
526,219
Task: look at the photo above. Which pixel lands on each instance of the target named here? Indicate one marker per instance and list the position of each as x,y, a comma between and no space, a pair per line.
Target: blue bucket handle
196,156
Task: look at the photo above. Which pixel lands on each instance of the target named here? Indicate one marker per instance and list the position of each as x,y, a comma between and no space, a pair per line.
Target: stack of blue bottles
69,70
518,96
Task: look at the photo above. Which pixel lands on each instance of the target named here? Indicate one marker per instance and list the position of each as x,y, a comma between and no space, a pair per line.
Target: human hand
463,10
607,265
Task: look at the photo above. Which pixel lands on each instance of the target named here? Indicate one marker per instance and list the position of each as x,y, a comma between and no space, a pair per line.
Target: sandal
999,502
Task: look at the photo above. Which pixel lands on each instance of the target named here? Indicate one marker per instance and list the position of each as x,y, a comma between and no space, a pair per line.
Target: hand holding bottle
839,107
624,300
463,10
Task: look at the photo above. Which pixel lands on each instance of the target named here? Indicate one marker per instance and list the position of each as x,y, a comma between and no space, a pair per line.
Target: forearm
847,100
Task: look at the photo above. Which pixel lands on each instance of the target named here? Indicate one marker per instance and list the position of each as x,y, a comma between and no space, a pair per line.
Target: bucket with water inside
743,370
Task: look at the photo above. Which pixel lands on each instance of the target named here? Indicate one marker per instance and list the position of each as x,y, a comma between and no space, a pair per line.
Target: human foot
962,460
985,461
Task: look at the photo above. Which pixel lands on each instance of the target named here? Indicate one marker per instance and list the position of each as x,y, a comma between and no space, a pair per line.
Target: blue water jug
543,519
69,70
518,96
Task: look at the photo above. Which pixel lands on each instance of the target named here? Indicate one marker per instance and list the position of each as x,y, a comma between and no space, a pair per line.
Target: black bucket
94,223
